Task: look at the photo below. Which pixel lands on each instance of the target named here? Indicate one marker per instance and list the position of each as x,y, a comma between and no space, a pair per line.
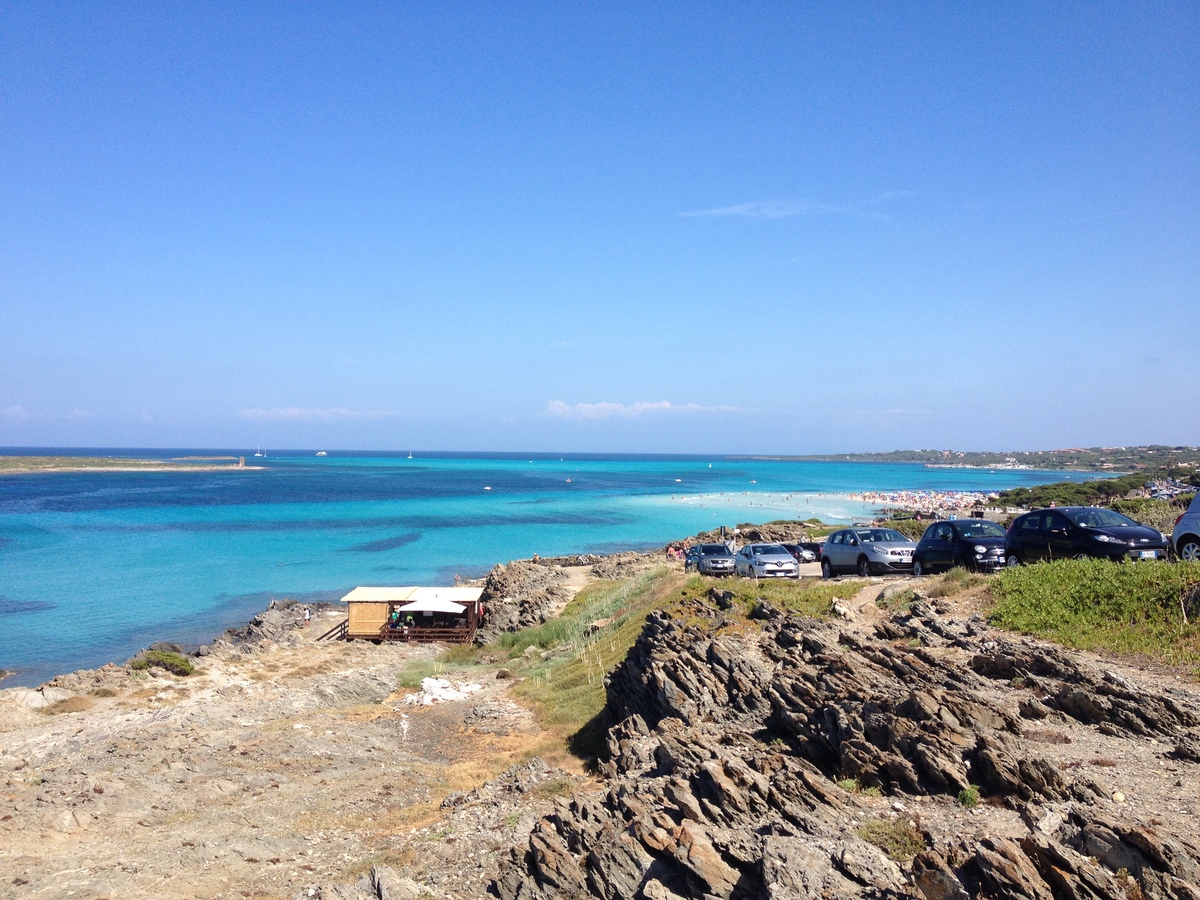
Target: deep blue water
94,566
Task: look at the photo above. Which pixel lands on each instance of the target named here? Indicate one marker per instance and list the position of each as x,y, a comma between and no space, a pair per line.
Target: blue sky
778,228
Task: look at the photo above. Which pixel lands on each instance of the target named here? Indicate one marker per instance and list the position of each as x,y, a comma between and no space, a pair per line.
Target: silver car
867,551
1186,536
709,559
766,561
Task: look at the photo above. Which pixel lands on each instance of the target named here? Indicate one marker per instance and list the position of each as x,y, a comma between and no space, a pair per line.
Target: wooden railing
337,632
419,635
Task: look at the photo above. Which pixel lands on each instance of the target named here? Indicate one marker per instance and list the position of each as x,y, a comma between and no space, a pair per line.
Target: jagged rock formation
728,745
519,595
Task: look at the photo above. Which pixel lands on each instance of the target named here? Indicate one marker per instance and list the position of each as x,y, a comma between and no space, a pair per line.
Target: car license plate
1149,554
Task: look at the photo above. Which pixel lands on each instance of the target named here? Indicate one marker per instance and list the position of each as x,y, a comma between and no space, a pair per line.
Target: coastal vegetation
175,663
1088,493
24,465
1091,459
1149,610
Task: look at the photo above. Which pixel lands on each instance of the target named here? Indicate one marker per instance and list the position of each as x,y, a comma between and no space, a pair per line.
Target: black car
801,553
1080,531
972,543
709,559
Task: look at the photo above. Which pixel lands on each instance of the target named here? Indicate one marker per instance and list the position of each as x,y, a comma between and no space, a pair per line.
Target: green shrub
913,529
969,796
898,838
1094,604
163,659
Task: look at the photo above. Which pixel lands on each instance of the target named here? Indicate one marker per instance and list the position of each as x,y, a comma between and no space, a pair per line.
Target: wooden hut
416,614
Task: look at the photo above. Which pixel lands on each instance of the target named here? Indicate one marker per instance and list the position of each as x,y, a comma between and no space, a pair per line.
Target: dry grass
68,705
954,582
896,837
1045,736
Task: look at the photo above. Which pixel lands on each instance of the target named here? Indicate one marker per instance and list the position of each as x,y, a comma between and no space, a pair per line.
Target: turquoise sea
94,566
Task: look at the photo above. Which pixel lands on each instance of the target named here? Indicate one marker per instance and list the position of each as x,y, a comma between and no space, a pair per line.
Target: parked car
800,553
972,543
1185,538
766,561
814,548
867,551
709,559
1078,532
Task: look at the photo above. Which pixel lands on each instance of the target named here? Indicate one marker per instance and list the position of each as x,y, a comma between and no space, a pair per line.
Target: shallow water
94,566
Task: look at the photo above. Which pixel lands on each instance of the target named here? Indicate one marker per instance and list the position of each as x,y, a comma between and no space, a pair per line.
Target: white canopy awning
434,605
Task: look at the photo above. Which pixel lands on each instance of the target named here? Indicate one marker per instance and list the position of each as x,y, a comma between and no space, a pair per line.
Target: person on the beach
307,616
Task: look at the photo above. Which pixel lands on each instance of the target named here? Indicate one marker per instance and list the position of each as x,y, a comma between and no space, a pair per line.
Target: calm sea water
95,566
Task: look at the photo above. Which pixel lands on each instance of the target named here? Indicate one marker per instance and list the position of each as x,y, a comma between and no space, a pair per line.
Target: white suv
1186,536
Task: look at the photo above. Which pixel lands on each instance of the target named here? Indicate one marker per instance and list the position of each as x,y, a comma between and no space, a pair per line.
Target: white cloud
784,209
626,410
300,414
16,413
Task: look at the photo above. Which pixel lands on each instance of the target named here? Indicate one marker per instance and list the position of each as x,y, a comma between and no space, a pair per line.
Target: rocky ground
776,763
279,765
769,758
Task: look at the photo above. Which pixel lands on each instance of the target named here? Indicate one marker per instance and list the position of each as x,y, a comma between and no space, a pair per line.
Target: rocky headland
877,752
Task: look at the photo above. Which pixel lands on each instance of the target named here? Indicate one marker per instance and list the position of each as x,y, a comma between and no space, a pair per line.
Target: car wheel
1189,549
1012,560
864,567
918,567
826,569
959,562
1080,554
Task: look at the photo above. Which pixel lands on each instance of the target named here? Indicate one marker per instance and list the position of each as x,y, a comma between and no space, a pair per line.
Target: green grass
567,690
1126,608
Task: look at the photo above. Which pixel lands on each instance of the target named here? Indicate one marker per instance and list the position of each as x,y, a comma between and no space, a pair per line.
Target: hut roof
417,599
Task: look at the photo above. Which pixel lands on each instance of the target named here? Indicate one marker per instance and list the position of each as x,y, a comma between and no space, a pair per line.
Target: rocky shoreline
907,753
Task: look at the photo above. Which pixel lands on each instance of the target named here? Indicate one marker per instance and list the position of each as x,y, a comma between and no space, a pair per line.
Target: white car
765,561
1186,536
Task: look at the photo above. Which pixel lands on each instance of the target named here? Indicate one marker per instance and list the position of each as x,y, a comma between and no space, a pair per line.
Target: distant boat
568,481
487,487
710,465
410,454
678,480
259,452
322,453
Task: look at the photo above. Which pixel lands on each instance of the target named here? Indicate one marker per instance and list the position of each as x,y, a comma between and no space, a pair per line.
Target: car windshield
714,550
880,536
979,529
770,550
1095,517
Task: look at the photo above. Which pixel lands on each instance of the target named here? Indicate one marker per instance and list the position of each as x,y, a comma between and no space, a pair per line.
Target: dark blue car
972,543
